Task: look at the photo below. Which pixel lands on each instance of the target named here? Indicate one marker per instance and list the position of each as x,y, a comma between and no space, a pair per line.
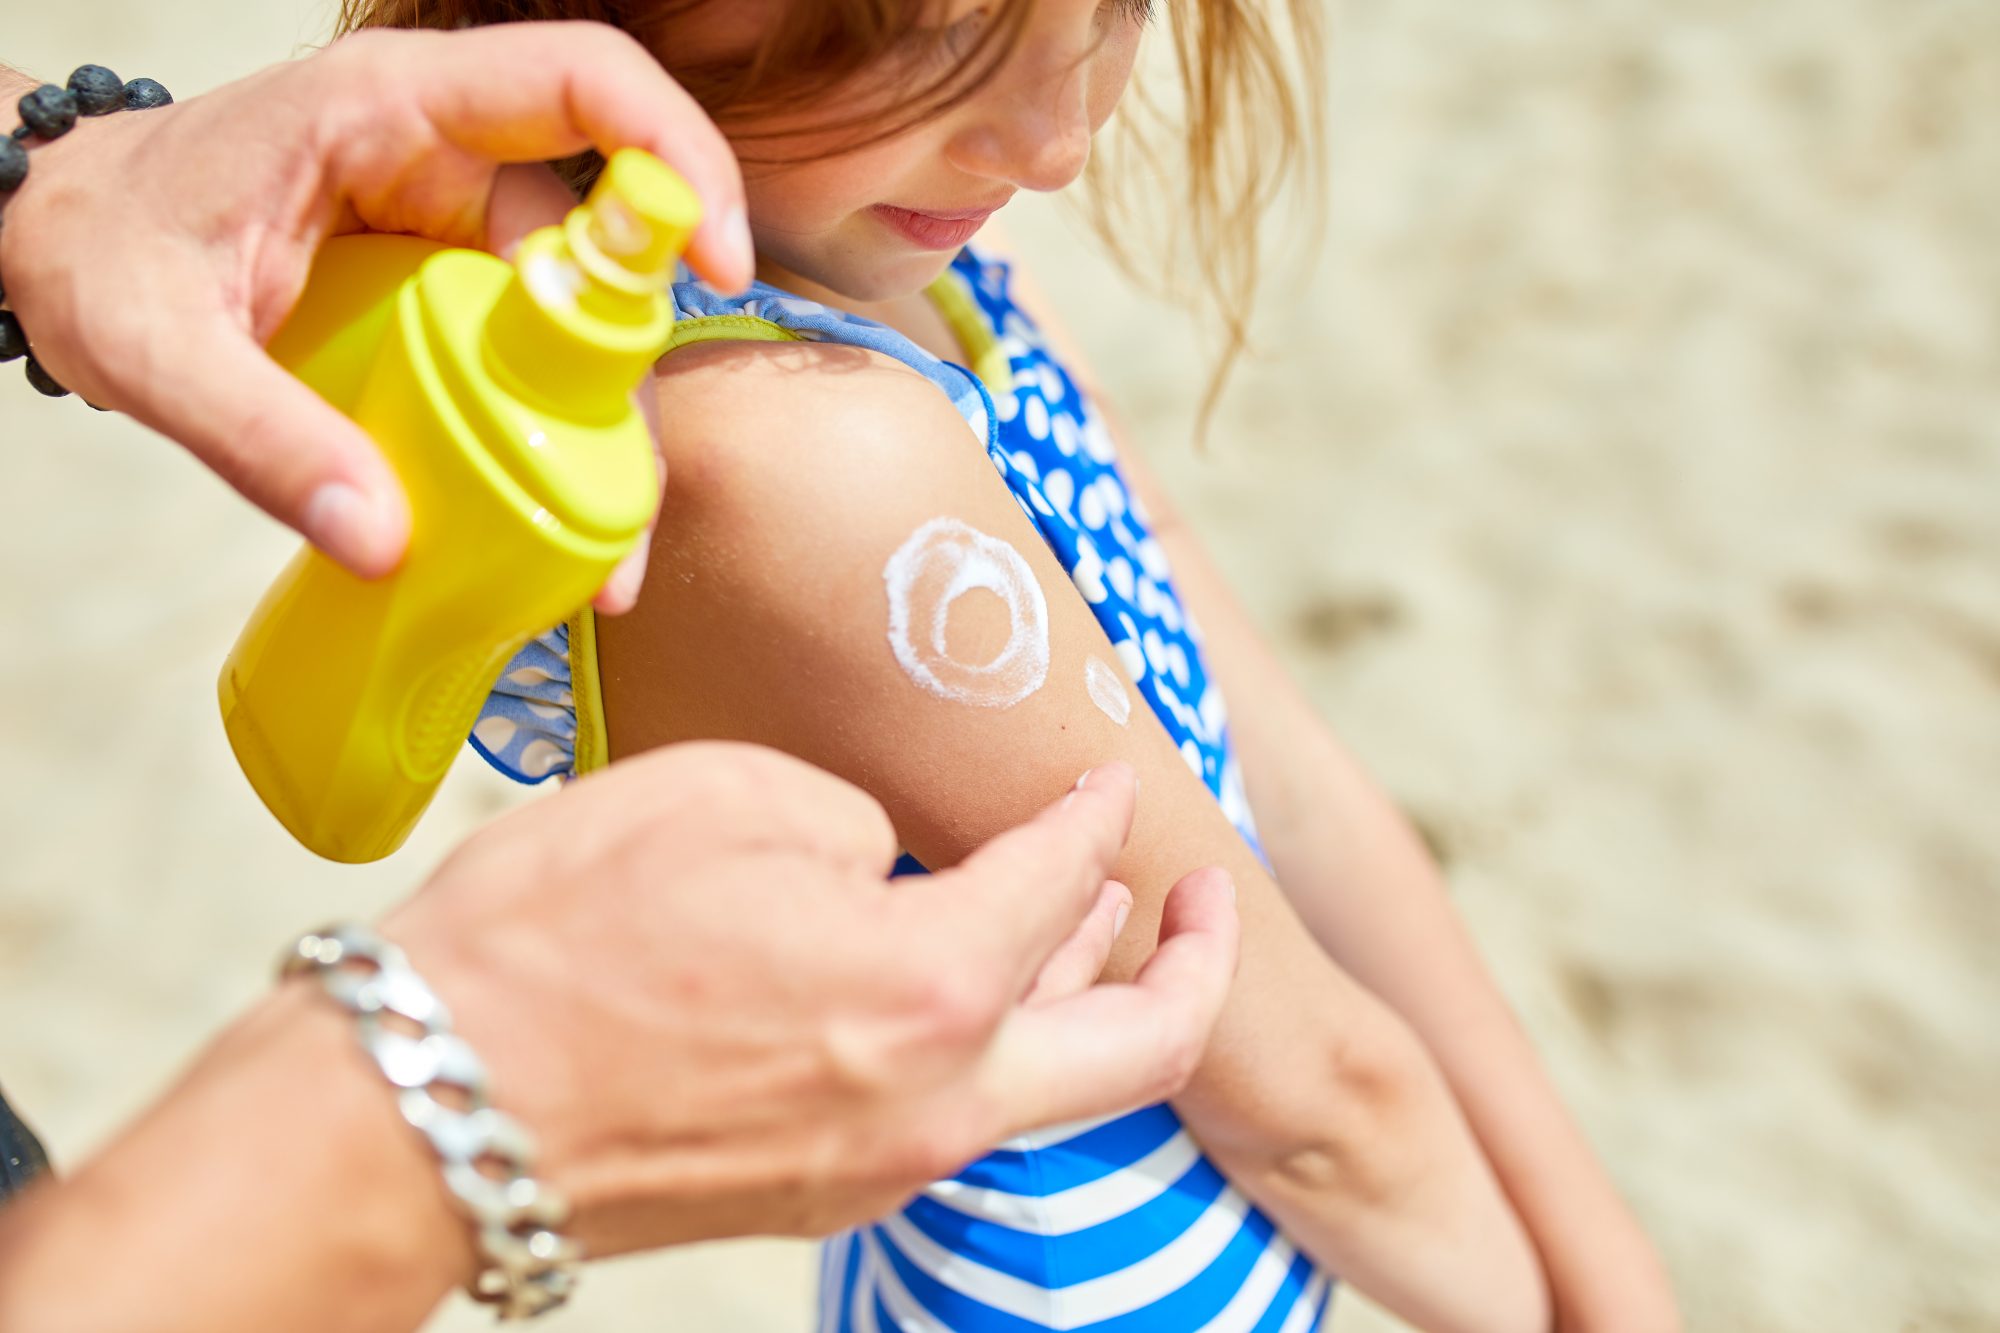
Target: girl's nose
1033,132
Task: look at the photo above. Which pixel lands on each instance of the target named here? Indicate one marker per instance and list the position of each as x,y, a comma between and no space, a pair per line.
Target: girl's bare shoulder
818,458
764,414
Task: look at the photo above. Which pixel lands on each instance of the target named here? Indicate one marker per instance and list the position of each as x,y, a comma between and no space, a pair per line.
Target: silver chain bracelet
488,1156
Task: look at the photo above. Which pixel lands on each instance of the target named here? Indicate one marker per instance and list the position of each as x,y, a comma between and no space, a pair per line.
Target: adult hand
702,991
151,255
690,977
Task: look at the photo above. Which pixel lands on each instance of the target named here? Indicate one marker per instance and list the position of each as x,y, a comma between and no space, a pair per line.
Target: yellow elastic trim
593,741
710,328
593,745
951,293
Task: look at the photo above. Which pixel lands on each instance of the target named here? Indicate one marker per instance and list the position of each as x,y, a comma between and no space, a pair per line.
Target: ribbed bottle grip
442,707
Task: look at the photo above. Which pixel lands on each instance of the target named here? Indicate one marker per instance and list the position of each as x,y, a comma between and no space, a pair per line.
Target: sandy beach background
1624,482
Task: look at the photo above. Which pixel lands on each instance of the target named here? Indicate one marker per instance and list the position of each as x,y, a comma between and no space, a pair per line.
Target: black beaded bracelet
50,112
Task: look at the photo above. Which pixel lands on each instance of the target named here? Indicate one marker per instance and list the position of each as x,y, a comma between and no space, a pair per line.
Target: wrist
486,1156
276,1187
49,113
298,1051
14,84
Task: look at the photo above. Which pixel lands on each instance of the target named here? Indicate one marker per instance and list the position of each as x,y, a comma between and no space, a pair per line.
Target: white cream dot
1107,691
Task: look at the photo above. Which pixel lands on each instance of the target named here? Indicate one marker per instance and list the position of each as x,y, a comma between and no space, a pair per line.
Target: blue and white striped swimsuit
1118,1225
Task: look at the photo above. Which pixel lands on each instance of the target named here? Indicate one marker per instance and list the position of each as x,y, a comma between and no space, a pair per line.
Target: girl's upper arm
822,506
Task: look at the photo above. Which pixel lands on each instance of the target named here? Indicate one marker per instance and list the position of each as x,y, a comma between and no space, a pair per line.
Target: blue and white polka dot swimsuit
1115,1226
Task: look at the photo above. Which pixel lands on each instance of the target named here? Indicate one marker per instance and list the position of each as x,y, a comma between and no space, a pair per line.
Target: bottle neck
566,341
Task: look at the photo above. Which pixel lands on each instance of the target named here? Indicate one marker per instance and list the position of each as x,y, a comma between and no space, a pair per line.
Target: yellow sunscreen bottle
501,394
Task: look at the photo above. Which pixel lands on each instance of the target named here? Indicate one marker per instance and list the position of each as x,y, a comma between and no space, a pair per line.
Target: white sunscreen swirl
941,562
1107,691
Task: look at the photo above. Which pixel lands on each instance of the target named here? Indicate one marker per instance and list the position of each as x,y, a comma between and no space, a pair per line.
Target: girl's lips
928,231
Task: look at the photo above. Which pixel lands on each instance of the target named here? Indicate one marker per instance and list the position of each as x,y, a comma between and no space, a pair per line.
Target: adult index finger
523,92
1014,901
1116,1047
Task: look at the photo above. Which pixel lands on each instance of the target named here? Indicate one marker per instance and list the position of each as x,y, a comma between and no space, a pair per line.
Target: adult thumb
280,444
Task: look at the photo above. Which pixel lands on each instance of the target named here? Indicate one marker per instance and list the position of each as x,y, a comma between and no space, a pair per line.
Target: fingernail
1118,922
622,588
1230,884
1085,778
340,521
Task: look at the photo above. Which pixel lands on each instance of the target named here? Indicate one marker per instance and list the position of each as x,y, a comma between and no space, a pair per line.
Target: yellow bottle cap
631,231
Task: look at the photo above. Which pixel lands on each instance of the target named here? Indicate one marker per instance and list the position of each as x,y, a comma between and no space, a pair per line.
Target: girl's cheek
810,197
1110,79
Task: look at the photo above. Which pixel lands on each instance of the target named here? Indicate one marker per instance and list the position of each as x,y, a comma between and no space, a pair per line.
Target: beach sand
1624,484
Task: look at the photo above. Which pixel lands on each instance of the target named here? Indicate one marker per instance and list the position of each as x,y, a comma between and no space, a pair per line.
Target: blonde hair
1239,126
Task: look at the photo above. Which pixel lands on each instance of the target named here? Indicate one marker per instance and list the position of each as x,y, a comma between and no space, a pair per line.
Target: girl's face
879,222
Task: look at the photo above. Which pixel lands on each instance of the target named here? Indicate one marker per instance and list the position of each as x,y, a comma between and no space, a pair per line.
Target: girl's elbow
1366,1148
1350,1130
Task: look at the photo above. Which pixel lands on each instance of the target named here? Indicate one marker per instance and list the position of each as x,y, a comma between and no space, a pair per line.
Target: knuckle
930,1152
362,83
362,50
729,779
1179,1062
858,829
961,1006
606,41
819,811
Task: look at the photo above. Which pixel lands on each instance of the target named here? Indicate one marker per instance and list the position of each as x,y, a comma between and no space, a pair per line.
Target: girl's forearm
1371,895
1353,1144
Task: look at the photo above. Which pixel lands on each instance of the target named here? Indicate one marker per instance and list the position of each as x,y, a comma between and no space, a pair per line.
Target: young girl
904,540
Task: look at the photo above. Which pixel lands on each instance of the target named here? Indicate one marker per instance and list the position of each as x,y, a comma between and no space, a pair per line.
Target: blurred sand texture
1624,483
